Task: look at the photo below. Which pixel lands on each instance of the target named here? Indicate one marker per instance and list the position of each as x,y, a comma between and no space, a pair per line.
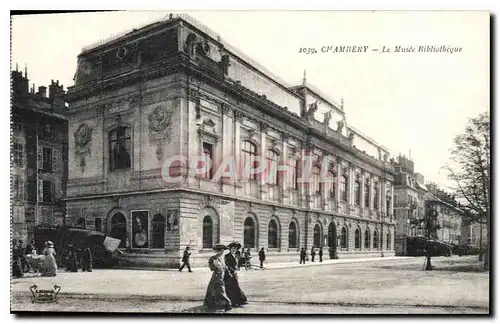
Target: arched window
343,238
315,188
119,229
357,239
81,223
388,205
292,236
158,232
249,151
376,196
317,236
357,193
249,233
119,148
367,193
367,239
272,235
375,239
272,167
208,230
343,187
388,243
330,186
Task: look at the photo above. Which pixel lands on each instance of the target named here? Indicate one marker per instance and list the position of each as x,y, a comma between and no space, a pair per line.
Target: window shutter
40,191
52,191
55,159
39,160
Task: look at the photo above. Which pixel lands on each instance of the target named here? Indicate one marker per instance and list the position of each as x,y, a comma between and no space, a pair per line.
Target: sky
412,103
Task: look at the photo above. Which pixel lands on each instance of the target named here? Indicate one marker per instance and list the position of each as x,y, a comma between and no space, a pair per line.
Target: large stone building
175,89
39,137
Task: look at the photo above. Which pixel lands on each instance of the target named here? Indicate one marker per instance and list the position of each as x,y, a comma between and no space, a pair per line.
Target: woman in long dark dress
216,297
233,289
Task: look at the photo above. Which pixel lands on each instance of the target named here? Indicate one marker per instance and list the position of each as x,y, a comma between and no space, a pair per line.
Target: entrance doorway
332,241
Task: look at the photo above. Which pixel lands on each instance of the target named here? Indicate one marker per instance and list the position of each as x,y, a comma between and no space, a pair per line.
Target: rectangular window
18,154
18,187
48,191
47,159
292,173
17,125
47,132
315,186
119,149
208,153
272,167
98,224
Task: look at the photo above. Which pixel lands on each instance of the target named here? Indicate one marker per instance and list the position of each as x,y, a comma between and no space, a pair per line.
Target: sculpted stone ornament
340,126
312,109
83,139
327,118
351,137
159,120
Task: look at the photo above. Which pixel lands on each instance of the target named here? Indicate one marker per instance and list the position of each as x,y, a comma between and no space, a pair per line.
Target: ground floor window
367,239
343,238
207,232
158,232
272,234
357,239
375,239
140,239
119,228
249,236
292,236
388,241
317,235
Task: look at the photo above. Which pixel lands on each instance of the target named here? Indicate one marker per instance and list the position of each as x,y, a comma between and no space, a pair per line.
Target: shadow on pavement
199,309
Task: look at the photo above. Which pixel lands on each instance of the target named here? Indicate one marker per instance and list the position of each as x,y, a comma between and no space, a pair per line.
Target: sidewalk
286,265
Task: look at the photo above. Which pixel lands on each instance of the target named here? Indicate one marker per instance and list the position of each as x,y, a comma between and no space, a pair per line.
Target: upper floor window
18,154
249,151
47,158
388,205
315,186
47,132
48,193
272,167
293,172
367,193
18,187
17,125
208,153
357,192
331,186
343,187
376,196
119,148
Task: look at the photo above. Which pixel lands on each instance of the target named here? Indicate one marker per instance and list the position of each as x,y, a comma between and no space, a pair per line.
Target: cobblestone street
382,286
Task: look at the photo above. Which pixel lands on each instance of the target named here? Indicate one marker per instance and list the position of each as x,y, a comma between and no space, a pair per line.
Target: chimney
42,91
20,85
56,93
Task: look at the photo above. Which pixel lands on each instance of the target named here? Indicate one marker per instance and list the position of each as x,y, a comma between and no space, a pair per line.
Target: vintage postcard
251,162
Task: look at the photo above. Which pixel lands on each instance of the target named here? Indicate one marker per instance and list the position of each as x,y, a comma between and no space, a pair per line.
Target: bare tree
470,170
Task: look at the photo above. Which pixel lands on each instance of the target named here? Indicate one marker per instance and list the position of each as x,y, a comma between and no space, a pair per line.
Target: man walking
262,257
320,254
302,256
185,259
313,253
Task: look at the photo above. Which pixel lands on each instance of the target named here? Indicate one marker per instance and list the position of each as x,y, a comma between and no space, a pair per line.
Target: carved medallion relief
159,122
83,141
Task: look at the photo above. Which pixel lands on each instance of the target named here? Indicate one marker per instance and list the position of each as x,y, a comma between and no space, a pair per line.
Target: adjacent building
39,138
148,103
411,197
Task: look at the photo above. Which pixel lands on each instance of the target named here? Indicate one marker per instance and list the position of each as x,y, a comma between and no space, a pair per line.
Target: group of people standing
303,254
223,291
26,259
73,258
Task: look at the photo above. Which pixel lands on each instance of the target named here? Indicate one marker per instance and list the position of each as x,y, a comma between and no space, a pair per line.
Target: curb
155,298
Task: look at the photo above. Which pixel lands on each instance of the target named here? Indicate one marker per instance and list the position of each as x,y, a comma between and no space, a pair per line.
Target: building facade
146,105
39,137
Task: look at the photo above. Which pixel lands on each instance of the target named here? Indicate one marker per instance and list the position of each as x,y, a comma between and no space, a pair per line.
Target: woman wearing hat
216,297
49,266
233,289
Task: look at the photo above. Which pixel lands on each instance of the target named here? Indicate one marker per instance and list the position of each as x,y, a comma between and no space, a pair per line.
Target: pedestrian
17,255
313,253
49,246
216,297
71,261
262,257
185,259
87,260
238,257
303,256
30,248
49,266
233,290
320,253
